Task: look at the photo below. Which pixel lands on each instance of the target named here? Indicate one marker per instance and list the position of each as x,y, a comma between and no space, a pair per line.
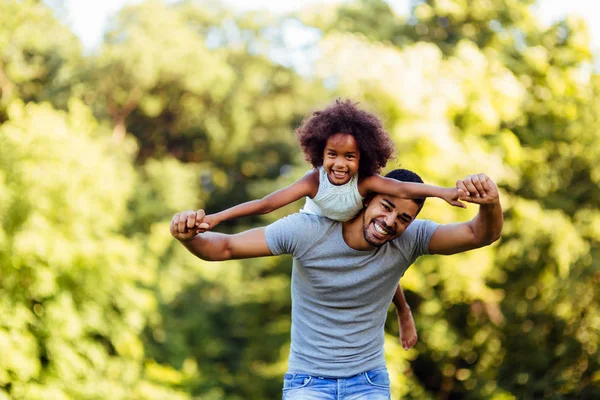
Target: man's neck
352,232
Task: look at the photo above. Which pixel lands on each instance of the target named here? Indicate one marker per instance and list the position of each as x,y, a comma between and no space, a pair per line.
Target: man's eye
387,208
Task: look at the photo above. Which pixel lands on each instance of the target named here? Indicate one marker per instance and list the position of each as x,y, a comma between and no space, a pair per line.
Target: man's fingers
477,188
476,179
186,223
470,185
491,186
487,184
176,219
181,218
462,188
191,220
464,195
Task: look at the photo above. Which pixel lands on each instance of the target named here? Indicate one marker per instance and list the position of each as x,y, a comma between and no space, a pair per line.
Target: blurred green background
192,104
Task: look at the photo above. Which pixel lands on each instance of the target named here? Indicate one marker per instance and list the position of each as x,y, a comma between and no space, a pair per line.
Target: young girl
347,147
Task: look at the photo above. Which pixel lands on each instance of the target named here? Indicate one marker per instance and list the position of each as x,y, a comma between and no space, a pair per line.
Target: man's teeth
380,230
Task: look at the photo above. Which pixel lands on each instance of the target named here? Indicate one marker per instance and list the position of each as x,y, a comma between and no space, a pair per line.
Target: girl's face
340,158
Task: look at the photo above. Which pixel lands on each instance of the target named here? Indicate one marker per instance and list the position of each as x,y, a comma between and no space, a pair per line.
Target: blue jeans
370,385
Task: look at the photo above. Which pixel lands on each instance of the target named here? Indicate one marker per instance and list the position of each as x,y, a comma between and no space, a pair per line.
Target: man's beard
366,235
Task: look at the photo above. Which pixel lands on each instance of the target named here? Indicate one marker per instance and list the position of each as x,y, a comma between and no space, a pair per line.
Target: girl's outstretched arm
407,190
212,246
305,186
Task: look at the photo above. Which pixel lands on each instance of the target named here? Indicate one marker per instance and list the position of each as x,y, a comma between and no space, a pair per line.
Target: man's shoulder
416,237
297,232
412,232
417,224
301,220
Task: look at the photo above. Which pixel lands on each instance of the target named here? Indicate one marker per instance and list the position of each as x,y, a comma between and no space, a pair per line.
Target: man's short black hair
405,175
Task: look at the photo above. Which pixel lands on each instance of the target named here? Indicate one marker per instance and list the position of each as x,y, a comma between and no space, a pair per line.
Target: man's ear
367,200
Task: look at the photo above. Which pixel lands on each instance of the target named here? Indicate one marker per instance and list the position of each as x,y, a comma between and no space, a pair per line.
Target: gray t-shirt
340,296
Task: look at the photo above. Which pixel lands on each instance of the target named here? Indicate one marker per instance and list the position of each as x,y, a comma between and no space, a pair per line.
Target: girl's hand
211,220
452,196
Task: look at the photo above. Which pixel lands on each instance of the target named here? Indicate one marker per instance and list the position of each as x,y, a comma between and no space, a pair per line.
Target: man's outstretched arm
212,246
484,229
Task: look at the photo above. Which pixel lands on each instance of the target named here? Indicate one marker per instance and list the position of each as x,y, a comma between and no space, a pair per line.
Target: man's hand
477,189
186,224
484,229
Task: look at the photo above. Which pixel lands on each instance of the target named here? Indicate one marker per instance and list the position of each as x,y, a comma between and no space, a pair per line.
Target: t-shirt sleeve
419,234
292,234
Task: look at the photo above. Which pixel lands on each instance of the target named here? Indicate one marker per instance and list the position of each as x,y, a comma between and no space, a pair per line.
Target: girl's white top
339,203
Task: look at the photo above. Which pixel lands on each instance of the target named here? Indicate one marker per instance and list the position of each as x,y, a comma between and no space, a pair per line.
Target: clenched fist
187,224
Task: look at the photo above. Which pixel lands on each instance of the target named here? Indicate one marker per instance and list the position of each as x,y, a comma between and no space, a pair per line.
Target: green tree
73,289
38,55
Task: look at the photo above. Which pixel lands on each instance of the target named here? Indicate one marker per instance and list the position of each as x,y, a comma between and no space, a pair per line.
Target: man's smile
380,228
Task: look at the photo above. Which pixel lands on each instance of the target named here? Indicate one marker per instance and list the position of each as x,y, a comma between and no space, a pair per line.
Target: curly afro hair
343,116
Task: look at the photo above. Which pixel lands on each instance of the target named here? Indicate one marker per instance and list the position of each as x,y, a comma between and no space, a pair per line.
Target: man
344,276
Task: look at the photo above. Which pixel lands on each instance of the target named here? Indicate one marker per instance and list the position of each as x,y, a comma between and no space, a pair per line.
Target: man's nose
389,219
